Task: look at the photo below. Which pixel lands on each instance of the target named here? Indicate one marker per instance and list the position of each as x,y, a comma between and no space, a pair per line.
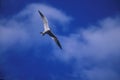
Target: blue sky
88,31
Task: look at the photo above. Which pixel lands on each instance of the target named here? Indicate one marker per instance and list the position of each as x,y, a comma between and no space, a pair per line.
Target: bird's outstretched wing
45,21
55,39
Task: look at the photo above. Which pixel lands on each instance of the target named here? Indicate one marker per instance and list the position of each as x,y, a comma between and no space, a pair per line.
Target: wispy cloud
93,51
97,41
102,74
26,25
23,53
96,50
51,13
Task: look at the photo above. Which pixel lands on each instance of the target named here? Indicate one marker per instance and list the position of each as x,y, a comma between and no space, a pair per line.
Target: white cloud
102,74
25,26
96,46
49,11
97,43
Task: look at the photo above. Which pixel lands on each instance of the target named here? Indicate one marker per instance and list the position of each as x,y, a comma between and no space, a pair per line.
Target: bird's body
48,31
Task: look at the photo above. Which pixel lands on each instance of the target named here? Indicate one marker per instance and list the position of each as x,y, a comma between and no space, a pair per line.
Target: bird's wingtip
40,13
60,47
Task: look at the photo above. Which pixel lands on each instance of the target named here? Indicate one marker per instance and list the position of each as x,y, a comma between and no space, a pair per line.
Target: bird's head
42,33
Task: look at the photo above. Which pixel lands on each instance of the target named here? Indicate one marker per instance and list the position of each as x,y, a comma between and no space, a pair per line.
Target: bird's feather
55,39
47,30
45,21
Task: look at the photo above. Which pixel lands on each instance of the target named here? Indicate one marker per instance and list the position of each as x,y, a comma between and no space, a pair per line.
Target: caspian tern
48,31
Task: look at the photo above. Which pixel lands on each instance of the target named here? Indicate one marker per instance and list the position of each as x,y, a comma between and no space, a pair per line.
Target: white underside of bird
48,31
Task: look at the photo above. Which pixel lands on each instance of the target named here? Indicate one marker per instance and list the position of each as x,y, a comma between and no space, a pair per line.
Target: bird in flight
48,31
